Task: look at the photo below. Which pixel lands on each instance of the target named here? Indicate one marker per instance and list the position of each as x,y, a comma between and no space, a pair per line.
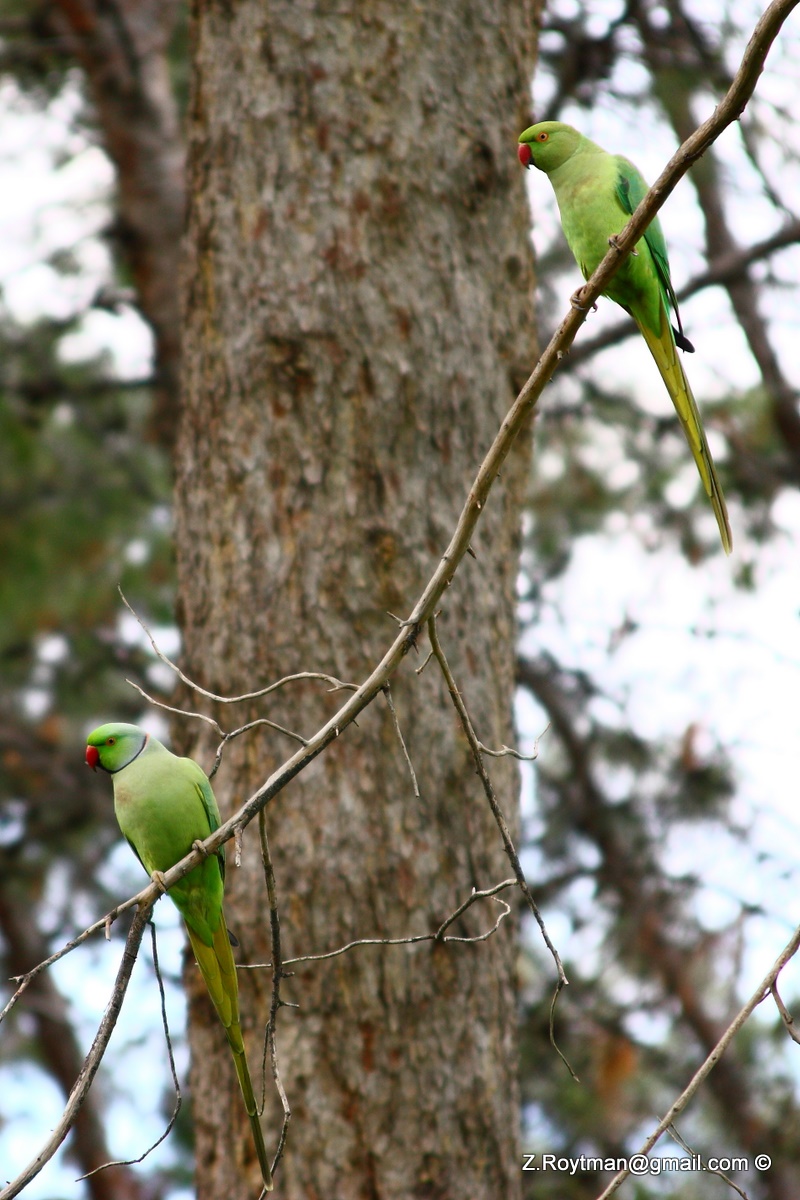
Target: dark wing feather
631,190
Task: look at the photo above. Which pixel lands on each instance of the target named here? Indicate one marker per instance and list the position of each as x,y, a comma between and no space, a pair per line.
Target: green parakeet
597,193
164,804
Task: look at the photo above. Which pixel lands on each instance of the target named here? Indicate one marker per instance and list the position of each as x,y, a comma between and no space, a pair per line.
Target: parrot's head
547,145
113,746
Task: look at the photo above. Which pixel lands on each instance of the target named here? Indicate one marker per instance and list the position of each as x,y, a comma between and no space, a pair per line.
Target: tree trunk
358,318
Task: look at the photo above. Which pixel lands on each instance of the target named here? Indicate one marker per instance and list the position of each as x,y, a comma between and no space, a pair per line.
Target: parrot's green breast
586,191
158,801
161,814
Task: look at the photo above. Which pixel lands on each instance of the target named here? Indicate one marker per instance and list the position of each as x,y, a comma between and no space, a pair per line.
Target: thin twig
762,991
418,670
226,737
786,1016
103,923
439,936
672,1131
92,1060
234,733
130,1162
277,976
390,702
181,712
502,825
506,751
481,937
337,685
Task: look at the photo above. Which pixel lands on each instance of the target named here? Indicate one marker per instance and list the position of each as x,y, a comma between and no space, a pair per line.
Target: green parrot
164,804
597,194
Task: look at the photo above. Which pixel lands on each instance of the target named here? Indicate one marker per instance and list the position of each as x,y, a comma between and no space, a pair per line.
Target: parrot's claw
199,847
158,879
614,241
581,307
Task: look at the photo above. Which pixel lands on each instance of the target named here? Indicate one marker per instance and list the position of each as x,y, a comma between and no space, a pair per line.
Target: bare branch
60,1050
505,833
711,1170
93,1058
762,991
488,787
439,936
226,737
129,1162
104,923
277,976
181,712
337,685
506,751
390,702
786,1016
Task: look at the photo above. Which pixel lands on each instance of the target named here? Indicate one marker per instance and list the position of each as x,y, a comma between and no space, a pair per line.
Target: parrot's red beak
92,757
524,154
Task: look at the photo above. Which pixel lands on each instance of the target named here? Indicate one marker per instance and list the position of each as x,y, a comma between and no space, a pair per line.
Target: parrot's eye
110,741
542,137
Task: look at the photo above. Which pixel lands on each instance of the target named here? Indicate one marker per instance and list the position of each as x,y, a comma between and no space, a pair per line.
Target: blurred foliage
84,500
83,509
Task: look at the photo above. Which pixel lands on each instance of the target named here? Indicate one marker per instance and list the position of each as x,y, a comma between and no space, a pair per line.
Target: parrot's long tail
662,348
219,972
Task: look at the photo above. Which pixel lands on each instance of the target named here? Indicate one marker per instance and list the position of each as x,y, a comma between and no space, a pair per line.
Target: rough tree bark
357,319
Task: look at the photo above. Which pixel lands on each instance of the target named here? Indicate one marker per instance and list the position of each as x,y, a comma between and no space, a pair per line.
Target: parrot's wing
136,852
631,191
209,802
